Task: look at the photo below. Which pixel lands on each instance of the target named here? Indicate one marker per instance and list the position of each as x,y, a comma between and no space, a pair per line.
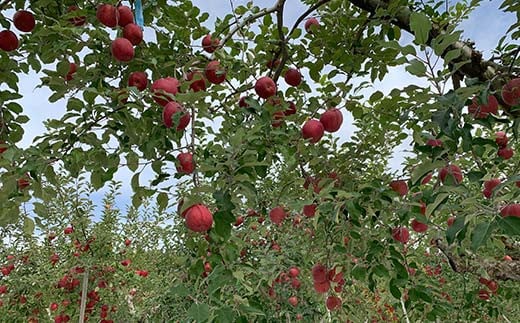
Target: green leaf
422,170
162,200
438,201
510,225
199,312
394,290
454,228
421,26
28,226
480,234
416,68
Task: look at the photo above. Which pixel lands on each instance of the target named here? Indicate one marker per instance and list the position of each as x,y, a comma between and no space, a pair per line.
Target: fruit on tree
3,146
76,21
510,210
8,40
400,187
295,283
315,184
451,174
419,226
72,70
313,129
126,262
309,210
333,303
122,49
169,112
24,21
185,163
400,234
210,44
483,294
505,153
198,218
293,77
139,80
242,102
128,242
278,117
310,24
133,33
265,87
482,110
501,139
507,258
164,88
489,186
215,73
331,120
277,215
273,63
511,92
293,300
238,221
319,273
321,287
434,142
198,82
291,110
450,221
108,15
68,230
294,271
23,182
125,16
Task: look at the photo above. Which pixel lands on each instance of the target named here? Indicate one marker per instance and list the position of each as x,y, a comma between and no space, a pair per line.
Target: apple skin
293,77
242,102
108,15
489,186
313,129
450,221
311,22
400,187
319,273
273,63
24,21
164,86
215,73
511,92
186,164
505,153
198,82
331,120
8,40
419,226
169,110
72,69
239,220
400,234
277,215
76,21
209,44
333,303
293,300
294,272
265,87
434,142
125,16
427,179
199,218
278,117
122,49
68,230
128,242
510,210
133,33
321,287
23,182
501,139
481,111
291,109
309,210
139,80
454,172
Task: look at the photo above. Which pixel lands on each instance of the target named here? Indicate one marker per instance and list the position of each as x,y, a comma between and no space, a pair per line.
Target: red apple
185,163
333,303
122,49
511,92
24,21
215,73
291,110
126,262
427,179
493,286
139,80
125,16
8,40
315,184
399,186
311,24
294,271
72,69
54,258
133,33
199,218
423,208
108,15
434,142
505,153
242,102
331,120
68,230
293,300
313,129
169,112
482,110
507,258
501,139
510,210
209,44
489,186
128,242
295,283
400,234
265,87
198,83
451,172
76,21
322,287
293,77
277,215
278,117
53,306
483,294
419,226
239,220
319,273
309,210
164,88
273,63
3,146
23,182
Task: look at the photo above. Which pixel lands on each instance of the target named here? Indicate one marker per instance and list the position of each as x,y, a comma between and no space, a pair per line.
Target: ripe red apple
510,210
122,49
315,184
265,87
493,286
295,283
215,73
239,220
319,273
54,258
399,186
72,70
333,303
125,16
139,80
108,15
483,294
505,153
277,215
133,33
163,87
128,242
185,163
451,173
331,120
489,186
242,102
23,182
511,92
198,82
482,110
311,24
422,208
68,230
293,300
170,110
3,146
273,63
291,109
400,234
53,306
309,210
126,262
199,218
293,77
501,139
434,142
8,40
507,258
24,21
321,287
209,44
427,179
76,21
278,117
294,271
419,226
313,129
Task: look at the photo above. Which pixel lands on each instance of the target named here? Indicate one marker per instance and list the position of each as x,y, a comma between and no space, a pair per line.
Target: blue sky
485,35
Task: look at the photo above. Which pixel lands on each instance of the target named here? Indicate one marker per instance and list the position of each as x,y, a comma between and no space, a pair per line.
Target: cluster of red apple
510,96
502,140
492,285
291,276
322,282
23,21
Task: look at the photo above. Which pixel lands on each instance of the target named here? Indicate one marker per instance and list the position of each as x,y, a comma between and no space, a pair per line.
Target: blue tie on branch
139,19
